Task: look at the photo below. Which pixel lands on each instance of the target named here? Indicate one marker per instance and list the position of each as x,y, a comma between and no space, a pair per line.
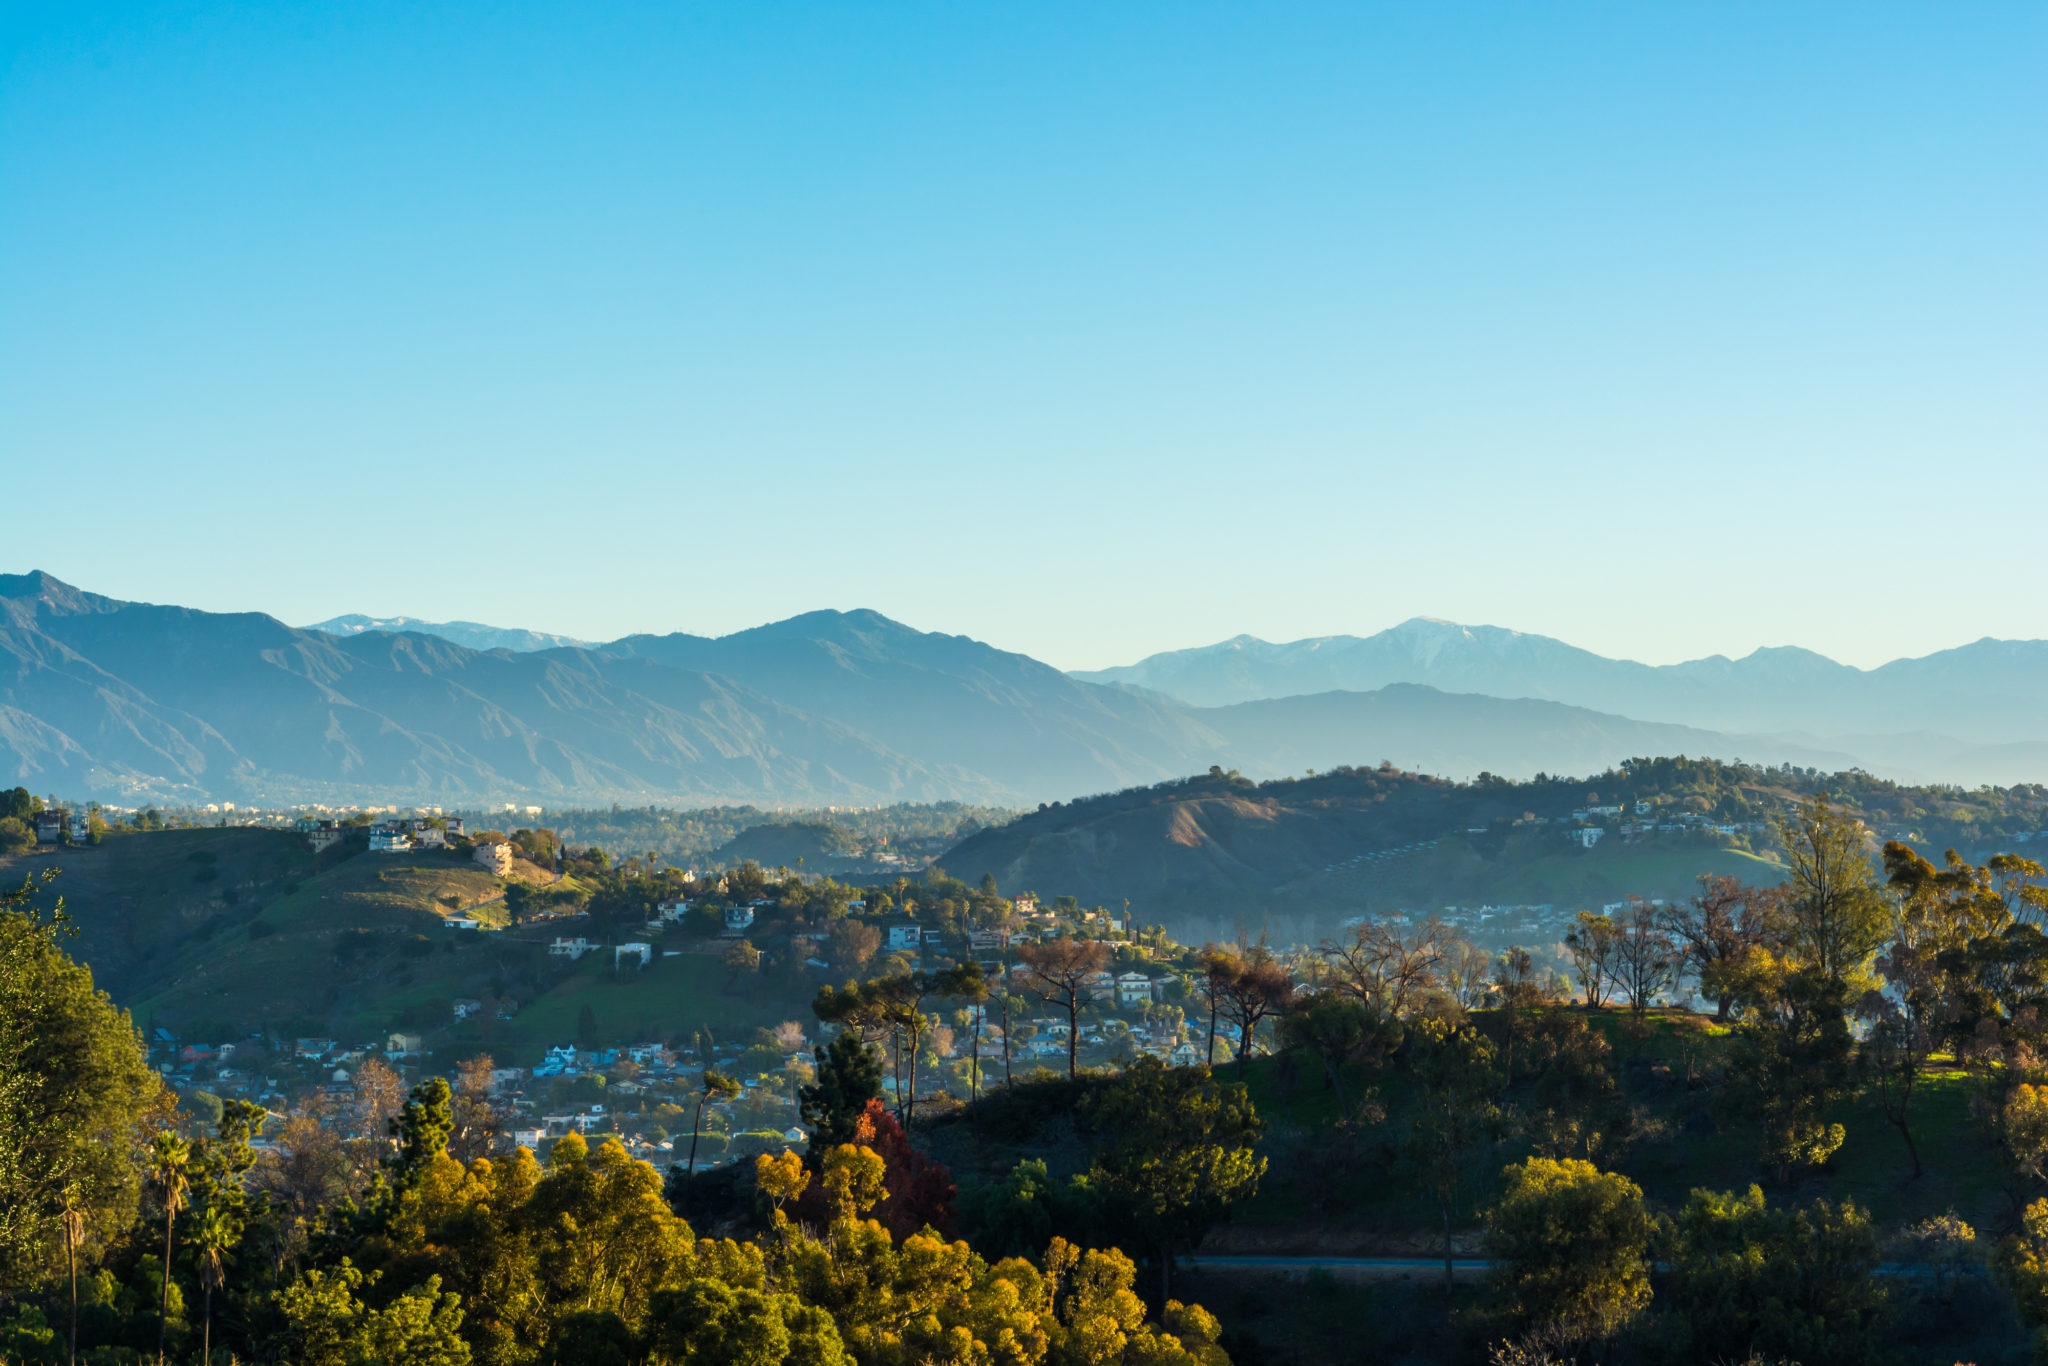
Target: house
496,856
670,911
388,839
641,951
987,941
49,826
737,920
313,1048
528,1138
1101,986
1586,836
1025,905
901,938
464,922
396,1045
794,1135
427,835
570,948
466,1007
1133,989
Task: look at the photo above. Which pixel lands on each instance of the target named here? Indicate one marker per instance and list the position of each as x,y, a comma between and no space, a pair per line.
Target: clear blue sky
1088,330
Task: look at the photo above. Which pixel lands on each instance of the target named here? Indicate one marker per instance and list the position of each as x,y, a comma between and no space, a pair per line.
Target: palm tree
214,1236
169,1161
73,1222
715,1084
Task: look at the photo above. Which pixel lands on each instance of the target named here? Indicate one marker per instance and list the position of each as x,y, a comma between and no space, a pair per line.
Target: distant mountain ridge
133,702
1991,692
473,634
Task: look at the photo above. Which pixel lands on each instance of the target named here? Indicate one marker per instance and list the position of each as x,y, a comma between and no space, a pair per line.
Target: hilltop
1210,853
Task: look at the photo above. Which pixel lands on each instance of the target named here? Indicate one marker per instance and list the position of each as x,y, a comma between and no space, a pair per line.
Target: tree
213,1237
849,1076
1645,960
1455,1112
1591,943
2020,1266
740,959
76,1091
850,945
1337,1029
168,1159
1751,1281
1059,972
1790,1059
1571,1248
1258,989
716,1085
1718,926
1834,912
1181,1154
967,984
1387,970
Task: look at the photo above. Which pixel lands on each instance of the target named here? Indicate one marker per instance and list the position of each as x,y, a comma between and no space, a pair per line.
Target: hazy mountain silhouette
1992,692
473,634
130,702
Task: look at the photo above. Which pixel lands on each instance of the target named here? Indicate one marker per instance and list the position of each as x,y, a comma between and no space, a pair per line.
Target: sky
1087,330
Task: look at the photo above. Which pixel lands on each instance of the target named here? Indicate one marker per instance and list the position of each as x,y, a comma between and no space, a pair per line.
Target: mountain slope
178,703
941,698
1990,692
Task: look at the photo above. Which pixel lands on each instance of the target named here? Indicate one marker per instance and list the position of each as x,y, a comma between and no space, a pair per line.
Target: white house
902,938
641,951
384,840
737,920
570,948
1587,836
1133,989
671,910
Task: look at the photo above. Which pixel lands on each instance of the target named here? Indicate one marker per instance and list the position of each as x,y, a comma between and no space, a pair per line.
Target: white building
1587,836
385,840
643,952
1133,989
495,856
571,948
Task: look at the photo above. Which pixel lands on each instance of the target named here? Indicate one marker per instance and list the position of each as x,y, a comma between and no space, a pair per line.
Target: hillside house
389,839
496,856
399,1045
639,951
1134,989
1586,836
738,919
572,949
670,911
465,1008
902,937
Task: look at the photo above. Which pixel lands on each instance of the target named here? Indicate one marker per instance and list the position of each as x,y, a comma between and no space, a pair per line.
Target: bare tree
1059,972
1645,958
1384,968
477,1118
1717,927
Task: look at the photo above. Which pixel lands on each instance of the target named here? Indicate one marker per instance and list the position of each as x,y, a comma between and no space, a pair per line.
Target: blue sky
1088,330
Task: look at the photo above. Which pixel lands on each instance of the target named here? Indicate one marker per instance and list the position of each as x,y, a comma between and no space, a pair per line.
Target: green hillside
216,933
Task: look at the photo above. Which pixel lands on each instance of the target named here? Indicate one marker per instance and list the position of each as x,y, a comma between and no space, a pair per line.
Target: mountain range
474,634
1991,692
130,702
